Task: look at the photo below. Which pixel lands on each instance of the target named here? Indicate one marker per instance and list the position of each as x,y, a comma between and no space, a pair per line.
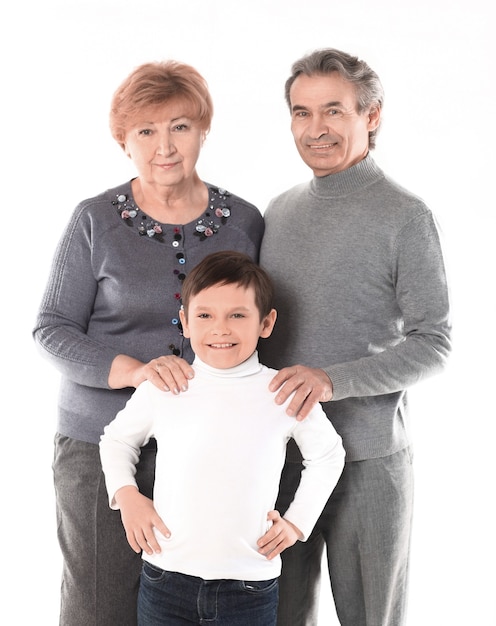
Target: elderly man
363,309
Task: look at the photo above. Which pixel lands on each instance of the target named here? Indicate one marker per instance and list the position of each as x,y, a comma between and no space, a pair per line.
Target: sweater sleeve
422,297
62,324
323,460
122,439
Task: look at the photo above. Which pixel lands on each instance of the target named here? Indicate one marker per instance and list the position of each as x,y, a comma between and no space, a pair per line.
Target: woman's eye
180,127
146,132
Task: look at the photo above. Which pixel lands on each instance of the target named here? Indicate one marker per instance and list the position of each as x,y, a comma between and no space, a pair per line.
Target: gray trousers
366,527
100,575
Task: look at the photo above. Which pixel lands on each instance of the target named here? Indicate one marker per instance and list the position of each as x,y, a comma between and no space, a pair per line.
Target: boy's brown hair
226,268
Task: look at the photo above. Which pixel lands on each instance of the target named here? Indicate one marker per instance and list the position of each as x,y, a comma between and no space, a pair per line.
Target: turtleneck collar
247,368
364,173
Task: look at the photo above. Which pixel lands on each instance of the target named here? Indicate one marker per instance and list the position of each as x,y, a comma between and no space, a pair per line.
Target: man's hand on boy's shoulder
309,385
139,519
281,535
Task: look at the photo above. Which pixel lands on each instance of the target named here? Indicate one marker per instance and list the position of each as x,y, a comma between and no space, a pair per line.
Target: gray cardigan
361,292
114,288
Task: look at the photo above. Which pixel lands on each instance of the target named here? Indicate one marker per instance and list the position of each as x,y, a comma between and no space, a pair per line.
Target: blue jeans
173,599
365,527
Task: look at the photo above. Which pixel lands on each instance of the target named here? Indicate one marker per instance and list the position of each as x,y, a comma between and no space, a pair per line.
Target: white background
60,63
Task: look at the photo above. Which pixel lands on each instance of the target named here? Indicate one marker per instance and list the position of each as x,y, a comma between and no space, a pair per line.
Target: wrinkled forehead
322,88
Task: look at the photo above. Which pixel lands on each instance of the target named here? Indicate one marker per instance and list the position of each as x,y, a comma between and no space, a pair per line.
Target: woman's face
164,144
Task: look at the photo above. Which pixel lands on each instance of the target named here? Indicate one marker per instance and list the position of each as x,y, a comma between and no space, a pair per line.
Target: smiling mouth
322,146
221,345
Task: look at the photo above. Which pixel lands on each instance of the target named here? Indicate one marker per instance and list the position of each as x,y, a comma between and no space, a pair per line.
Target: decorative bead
205,227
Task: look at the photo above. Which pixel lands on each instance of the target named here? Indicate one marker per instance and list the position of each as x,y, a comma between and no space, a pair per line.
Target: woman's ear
268,324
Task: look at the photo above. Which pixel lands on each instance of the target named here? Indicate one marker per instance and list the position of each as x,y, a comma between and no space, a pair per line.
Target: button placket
180,275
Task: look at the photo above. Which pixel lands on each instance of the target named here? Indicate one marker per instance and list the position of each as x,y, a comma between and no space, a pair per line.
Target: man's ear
374,117
184,323
268,324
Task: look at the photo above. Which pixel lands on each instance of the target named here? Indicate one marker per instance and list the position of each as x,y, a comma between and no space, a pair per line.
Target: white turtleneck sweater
221,448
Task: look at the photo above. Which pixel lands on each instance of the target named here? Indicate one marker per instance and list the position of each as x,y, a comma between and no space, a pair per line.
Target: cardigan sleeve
62,323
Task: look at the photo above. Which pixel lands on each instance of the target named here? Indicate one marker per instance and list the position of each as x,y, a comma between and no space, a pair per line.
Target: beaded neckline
215,216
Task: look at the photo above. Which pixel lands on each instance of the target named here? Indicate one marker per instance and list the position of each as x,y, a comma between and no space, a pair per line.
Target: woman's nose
165,145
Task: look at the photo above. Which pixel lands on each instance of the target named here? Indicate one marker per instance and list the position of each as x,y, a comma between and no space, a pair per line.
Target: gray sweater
114,288
360,292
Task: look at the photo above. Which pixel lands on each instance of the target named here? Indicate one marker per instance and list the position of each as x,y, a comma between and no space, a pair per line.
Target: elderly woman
109,318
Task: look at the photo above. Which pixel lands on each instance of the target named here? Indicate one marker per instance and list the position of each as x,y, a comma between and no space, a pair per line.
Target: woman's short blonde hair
154,84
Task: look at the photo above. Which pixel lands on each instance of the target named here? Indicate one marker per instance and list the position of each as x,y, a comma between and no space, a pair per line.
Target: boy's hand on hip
280,536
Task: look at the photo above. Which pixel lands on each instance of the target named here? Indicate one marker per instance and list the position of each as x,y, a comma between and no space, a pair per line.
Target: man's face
329,133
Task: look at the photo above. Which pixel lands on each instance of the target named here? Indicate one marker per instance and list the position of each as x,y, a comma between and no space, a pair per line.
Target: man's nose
318,126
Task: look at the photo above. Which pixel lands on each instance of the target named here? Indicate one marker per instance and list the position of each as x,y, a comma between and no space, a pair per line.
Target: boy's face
224,325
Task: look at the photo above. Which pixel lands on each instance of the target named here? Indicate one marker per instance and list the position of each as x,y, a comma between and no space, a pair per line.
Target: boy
210,538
